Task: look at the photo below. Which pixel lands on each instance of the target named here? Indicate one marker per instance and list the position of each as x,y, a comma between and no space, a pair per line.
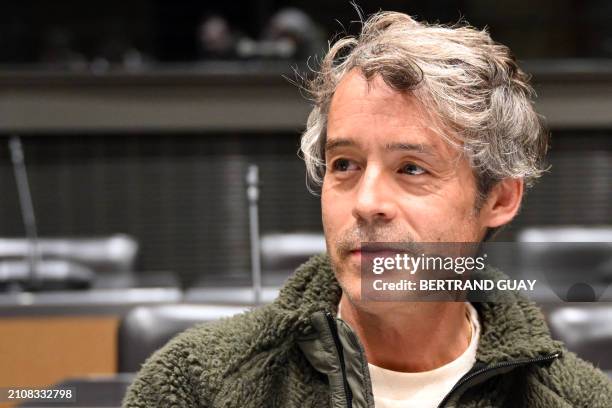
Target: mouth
375,251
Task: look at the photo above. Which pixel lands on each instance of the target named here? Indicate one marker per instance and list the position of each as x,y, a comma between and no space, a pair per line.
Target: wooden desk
46,338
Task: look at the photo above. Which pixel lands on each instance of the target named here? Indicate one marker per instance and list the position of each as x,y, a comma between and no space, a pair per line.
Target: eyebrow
335,143
415,147
418,147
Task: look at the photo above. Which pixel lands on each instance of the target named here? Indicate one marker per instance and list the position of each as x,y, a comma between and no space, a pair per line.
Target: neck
409,336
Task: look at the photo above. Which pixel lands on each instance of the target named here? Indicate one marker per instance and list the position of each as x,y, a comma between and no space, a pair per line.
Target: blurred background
138,121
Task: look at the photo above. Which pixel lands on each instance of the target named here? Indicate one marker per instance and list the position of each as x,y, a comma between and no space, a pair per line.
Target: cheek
334,206
427,217
327,211
444,216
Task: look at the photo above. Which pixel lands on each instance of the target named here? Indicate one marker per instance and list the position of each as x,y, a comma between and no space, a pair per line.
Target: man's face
389,177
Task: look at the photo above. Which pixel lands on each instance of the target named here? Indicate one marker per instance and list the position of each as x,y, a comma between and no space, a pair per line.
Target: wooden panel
239,97
43,351
136,103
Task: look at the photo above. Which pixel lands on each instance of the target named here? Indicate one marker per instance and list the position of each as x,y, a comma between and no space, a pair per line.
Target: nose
375,200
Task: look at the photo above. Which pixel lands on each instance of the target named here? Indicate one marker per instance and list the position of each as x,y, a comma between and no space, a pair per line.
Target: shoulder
164,379
196,365
576,381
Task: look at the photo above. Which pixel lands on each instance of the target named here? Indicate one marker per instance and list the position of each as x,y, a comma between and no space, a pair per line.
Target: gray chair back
99,262
145,329
576,262
585,328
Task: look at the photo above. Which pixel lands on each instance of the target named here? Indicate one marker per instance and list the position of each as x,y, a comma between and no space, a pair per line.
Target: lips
372,251
376,247
377,252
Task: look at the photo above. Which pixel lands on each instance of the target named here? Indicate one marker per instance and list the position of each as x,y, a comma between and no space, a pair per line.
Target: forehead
373,112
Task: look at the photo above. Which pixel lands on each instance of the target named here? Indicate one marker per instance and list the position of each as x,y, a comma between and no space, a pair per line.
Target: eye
412,169
343,165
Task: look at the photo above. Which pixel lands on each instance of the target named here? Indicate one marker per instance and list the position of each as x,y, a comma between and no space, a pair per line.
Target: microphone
252,180
27,208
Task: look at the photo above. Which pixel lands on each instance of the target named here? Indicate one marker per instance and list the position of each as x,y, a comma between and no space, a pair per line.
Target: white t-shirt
394,389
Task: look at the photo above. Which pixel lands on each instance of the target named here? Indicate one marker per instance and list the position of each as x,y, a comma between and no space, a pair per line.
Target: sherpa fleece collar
509,330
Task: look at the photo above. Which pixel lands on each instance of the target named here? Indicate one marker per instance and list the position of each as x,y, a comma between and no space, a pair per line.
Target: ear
503,202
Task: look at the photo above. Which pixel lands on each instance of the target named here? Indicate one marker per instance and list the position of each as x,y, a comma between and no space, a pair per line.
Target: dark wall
166,30
183,196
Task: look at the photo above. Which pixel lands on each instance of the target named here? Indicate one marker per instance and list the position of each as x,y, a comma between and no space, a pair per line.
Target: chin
348,276
353,291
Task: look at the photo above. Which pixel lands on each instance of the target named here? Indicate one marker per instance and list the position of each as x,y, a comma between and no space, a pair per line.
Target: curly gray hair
472,85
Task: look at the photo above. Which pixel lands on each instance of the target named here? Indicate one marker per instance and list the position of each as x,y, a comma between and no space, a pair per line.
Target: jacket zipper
349,395
334,331
493,368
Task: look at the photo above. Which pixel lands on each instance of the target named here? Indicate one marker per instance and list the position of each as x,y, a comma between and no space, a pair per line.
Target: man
419,133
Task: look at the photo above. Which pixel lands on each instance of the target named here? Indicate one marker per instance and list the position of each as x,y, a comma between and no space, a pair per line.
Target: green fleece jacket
294,352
